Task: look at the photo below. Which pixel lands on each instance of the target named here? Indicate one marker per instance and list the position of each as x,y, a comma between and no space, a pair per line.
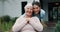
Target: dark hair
36,3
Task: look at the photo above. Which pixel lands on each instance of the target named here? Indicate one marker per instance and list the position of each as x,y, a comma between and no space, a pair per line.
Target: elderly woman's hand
28,20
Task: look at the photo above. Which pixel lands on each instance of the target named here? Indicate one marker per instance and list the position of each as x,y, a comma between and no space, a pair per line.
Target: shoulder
42,11
35,18
20,18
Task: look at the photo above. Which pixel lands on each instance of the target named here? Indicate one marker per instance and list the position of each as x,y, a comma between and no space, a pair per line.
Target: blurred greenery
6,23
5,18
57,29
6,26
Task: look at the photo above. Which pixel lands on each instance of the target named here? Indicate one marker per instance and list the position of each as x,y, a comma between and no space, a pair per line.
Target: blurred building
15,8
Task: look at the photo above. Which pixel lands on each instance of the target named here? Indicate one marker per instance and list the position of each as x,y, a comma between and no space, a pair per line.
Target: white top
22,26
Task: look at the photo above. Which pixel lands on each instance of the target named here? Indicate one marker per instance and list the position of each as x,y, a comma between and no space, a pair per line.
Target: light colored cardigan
22,26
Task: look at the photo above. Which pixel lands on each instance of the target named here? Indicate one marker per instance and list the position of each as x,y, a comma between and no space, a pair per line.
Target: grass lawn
6,26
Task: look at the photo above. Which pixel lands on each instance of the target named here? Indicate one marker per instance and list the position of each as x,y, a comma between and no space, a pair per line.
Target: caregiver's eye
35,8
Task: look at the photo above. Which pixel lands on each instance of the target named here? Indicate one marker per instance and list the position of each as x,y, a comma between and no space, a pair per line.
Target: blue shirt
41,14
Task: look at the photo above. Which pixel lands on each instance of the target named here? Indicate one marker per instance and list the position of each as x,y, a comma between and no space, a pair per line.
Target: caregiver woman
27,23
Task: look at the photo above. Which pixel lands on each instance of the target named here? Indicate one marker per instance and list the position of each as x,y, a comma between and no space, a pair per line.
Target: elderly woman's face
29,11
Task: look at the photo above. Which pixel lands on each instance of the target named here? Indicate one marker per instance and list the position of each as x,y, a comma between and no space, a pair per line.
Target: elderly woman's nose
30,9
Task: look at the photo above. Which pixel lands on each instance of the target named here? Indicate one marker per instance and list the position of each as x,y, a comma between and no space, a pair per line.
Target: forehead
35,6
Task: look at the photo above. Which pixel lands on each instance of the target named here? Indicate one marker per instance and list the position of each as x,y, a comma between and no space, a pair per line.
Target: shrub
57,27
6,18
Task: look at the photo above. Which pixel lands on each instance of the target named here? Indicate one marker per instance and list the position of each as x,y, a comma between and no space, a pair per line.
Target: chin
29,15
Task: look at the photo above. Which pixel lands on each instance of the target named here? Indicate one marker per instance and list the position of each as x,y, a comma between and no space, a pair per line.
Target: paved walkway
49,29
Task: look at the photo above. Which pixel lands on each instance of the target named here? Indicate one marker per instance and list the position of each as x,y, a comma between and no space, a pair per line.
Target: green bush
57,27
6,26
5,18
7,23
0,25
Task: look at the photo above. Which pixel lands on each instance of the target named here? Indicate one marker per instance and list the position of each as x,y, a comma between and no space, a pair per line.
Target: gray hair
28,5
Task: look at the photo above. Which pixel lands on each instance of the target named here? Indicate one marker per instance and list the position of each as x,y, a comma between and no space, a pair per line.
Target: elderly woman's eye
27,8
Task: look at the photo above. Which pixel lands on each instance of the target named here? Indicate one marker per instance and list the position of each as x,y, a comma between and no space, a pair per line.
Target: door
23,5
54,11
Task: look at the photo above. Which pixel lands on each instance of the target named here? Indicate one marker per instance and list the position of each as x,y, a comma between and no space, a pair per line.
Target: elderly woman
27,23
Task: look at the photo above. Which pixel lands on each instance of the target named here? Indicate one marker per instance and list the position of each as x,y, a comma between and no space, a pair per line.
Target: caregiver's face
36,8
29,11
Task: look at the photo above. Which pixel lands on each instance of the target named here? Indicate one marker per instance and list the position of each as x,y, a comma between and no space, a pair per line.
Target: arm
36,24
18,25
44,25
42,18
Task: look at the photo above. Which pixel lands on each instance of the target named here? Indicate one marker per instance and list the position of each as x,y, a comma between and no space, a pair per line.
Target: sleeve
36,24
42,13
18,25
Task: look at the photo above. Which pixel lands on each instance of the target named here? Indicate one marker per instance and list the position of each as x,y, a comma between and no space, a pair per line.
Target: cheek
39,8
27,13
